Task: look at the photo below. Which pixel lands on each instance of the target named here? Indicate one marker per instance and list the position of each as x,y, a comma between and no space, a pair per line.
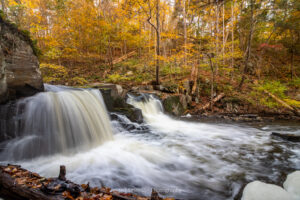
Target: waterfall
61,120
151,107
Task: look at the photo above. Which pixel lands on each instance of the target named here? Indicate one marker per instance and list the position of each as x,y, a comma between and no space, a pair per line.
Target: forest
150,99
238,47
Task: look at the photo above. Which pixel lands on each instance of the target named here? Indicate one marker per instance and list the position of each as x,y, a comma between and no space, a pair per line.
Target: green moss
173,106
22,33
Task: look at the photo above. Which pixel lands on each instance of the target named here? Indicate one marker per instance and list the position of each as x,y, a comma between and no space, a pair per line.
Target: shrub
53,73
274,87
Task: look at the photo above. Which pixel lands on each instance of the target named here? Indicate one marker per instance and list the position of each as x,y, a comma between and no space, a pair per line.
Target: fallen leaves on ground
66,189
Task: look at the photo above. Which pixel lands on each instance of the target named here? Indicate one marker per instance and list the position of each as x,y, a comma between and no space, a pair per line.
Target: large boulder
173,105
20,75
114,99
258,190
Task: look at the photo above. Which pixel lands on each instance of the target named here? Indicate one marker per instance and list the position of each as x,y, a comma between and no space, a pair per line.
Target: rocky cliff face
19,66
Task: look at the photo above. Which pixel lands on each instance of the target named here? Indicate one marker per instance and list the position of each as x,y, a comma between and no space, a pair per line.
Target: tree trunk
217,36
211,82
232,40
292,65
248,50
223,24
157,41
3,6
184,31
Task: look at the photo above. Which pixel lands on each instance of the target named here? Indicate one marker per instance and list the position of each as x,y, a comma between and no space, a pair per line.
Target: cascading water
187,160
150,106
60,120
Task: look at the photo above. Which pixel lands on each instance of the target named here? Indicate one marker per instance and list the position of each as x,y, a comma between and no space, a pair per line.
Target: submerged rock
289,137
19,66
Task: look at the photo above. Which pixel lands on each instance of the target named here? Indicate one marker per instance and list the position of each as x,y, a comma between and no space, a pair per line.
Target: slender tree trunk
3,6
223,45
232,39
157,41
110,59
211,82
184,30
217,36
150,36
248,50
140,36
292,65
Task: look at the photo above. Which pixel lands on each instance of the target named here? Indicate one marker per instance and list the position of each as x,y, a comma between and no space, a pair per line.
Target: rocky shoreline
178,105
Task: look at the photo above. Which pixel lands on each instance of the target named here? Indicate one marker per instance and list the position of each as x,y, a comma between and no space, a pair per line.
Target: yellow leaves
292,102
52,73
12,3
56,68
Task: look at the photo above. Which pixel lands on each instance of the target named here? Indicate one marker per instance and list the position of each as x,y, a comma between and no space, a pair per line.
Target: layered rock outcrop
20,75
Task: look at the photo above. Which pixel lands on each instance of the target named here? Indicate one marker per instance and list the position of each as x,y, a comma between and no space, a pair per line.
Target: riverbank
19,184
179,104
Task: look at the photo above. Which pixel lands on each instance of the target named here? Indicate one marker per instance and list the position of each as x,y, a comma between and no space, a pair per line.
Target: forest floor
132,72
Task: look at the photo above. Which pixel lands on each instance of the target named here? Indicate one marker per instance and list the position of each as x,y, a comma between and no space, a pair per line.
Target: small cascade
61,120
149,105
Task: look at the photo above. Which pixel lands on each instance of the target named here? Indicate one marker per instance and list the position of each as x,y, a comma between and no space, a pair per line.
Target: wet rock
116,90
134,114
114,99
289,137
172,105
20,75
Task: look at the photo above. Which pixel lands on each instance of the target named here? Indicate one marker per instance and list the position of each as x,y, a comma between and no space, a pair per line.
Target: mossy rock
119,105
173,106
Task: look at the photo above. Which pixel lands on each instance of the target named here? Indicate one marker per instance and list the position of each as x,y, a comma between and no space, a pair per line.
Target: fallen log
289,137
14,187
118,60
218,98
294,110
17,183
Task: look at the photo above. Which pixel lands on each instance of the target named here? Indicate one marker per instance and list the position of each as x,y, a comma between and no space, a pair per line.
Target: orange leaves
65,189
24,177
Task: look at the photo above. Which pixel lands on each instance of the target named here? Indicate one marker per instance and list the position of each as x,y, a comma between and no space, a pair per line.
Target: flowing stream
182,158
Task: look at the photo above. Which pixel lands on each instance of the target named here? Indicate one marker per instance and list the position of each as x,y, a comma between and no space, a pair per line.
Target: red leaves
276,47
